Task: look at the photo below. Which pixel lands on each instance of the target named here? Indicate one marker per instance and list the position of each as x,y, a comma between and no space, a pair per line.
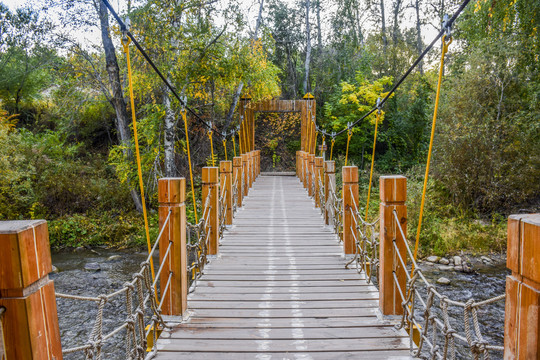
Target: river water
77,318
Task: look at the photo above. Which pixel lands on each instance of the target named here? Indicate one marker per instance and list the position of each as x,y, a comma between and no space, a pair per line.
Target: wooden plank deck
279,290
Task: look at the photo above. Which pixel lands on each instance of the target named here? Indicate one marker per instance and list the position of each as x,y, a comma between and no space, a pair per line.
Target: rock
444,261
457,260
443,281
79,249
467,268
486,260
445,267
92,267
432,259
113,257
55,270
458,267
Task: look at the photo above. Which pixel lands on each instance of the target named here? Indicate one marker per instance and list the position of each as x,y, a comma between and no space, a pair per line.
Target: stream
77,318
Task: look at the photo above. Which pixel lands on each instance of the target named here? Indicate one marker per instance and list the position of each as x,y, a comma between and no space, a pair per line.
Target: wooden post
210,180
245,174
305,169
237,169
30,322
172,197
393,193
311,173
329,182
258,162
298,164
225,171
350,203
522,315
251,158
318,179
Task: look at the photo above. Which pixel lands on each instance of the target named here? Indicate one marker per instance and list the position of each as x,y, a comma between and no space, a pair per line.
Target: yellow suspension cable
372,162
125,43
225,147
234,144
322,143
184,117
244,136
309,137
443,53
349,136
332,148
211,147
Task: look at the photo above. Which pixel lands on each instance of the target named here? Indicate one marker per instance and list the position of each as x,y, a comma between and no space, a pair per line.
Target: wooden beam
210,180
350,204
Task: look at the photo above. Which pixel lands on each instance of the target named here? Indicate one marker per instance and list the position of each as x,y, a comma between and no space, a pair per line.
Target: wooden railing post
393,194
258,162
311,172
251,157
329,182
237,169
172,197
210,182
305,171
225,171
30,321
350,203
245,174
522,315
318,179
298,168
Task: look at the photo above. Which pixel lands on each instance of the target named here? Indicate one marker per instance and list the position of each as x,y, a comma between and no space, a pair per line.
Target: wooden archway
306,107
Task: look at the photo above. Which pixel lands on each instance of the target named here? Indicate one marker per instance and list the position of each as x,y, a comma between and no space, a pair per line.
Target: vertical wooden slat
210,182
329,183
522,315
319,175
225,174
350,204
30,322
237,169
393,194
172,197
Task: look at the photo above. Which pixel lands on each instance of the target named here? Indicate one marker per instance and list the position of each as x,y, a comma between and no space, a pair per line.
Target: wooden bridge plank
279,290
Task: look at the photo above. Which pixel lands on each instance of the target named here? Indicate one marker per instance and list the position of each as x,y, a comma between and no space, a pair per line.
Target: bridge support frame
350,204
522,318
305,171
225,175
329,182
210,185
237,179
172,197
30,321
393,194
319,179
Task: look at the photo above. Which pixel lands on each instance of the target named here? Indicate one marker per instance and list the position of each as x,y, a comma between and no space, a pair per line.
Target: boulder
443,281
92,267
432,258
444,261
457,260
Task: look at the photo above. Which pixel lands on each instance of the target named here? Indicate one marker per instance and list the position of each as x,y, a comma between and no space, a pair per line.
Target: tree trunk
234,102
122,122
419,44
319,32
259,20
168,139
383,30
308,50
395,30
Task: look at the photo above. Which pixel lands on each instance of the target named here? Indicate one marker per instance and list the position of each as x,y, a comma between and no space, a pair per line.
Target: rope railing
366,255
199,244
142,310
336,208
427,312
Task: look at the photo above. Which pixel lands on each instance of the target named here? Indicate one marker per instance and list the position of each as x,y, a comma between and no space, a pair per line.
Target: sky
250,9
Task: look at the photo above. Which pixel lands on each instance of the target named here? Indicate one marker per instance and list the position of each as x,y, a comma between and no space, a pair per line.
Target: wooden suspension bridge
267,266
